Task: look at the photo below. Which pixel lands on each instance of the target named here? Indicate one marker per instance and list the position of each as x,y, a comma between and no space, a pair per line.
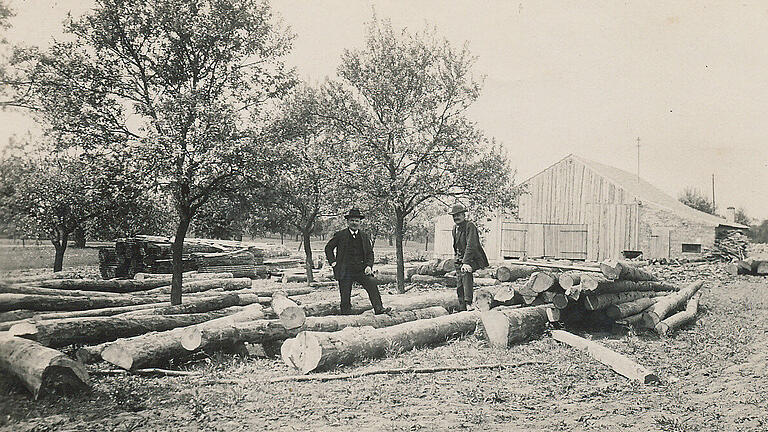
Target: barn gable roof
647,192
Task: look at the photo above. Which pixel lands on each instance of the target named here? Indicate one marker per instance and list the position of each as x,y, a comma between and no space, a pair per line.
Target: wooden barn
579,209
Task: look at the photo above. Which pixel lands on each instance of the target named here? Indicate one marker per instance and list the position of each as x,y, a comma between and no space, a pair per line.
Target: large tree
177,81
308,181
404,96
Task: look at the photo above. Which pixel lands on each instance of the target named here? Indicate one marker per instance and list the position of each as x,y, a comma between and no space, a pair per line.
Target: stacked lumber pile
732,245
152,254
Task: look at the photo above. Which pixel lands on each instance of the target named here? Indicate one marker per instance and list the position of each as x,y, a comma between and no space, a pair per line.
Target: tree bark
399,232
79,236
508,273
195,286
107,286
60,246
307,233
504,326
290,314
679,319
626,309
153,349
662,308
618,270
261,331
93,330
10,302
605,286
42,370
177,249
619,363
446,299
191,306
602,301
311,351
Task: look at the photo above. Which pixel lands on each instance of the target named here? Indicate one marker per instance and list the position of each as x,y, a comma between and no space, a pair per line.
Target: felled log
15,315
618,270
627,309
679,319
445,299
92,330
555,266
112,285
427,279
761,269
667,304
560,300
193,275
195,305
293,291
506,293
618,362
194,286
42,370
290,314
606,286
507,326
153,349
38,302
31,289
542,281
261,331
312,351
508,272
238,271
602,301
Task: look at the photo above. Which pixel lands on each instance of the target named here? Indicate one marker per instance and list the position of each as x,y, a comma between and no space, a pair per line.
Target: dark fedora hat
354,213
457,208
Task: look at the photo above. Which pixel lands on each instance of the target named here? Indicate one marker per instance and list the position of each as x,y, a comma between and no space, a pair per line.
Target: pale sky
689,78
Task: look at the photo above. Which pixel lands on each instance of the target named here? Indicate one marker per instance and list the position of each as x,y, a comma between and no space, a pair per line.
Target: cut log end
611,269
304,353
116,355
191,338
496,327
26,329
293,317
63,378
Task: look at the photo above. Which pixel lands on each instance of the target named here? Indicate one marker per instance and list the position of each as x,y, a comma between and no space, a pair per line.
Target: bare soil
713,377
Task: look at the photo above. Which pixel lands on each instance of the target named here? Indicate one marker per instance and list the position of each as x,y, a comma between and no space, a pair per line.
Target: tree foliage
179,82
758,233
693,198
403,97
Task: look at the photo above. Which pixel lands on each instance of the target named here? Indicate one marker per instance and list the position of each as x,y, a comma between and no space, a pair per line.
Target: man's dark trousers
345,288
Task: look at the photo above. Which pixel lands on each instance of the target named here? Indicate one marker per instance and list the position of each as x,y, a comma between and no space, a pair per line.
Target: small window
692,247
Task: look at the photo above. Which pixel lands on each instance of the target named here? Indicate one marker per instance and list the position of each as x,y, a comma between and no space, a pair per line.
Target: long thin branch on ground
395,371
147,371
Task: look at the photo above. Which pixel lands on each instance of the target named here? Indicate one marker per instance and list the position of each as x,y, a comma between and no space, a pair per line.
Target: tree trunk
399,232
679,319
623,310
667,304
445,299
617,270
42,370
290,314
603,286
508,273
602,301
569,279
619,363
177,249
426,243
261,331
60,245
93,330
79,237
308,254
195,286
198,305
9,302
542,281
506,326
107,286
311,351
157,348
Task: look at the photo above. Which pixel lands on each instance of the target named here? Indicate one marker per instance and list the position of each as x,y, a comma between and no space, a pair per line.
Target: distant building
583,210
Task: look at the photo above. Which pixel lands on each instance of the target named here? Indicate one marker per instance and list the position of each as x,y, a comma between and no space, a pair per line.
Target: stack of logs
619,293
732,245
151,254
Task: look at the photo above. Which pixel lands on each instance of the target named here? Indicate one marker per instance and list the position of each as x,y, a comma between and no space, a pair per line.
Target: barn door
659,244
572,242
513,240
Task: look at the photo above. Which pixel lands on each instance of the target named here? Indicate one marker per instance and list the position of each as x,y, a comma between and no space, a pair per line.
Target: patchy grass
31,256
700,389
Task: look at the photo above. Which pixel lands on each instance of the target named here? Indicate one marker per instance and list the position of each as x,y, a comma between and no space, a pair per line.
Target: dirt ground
713,377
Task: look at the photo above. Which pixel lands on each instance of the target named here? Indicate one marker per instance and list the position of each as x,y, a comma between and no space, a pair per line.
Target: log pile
730,246
152,254
748,266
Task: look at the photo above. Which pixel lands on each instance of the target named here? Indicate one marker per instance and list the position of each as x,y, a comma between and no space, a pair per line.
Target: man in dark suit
469,255
353,261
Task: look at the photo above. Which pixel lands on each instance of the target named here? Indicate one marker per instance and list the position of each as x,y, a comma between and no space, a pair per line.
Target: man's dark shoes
382,311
